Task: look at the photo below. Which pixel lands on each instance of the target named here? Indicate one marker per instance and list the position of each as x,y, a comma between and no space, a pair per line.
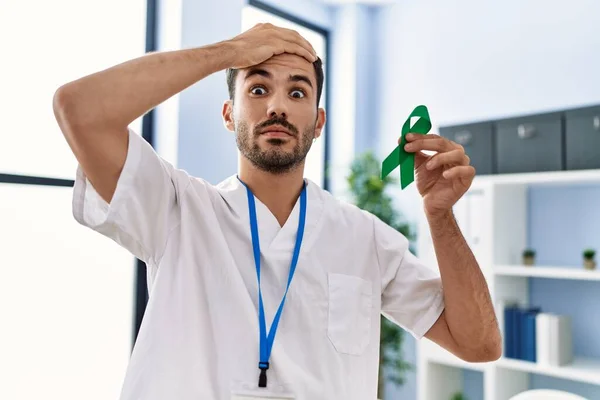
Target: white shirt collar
272,235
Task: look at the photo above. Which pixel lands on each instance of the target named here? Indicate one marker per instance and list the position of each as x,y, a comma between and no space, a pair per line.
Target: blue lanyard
266,342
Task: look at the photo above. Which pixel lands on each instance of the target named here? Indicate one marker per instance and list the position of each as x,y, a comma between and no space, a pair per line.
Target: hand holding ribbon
400,157
442,178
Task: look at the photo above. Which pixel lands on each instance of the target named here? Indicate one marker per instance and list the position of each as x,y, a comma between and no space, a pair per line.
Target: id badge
253,392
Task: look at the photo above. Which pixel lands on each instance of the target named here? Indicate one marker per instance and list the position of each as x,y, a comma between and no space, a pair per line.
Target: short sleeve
412,293
144,208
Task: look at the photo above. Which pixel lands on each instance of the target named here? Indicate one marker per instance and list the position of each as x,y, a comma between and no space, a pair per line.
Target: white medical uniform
199,335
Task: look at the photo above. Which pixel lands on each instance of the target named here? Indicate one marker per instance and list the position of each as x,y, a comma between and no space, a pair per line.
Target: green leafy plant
589,254
529,253
458,396
369,193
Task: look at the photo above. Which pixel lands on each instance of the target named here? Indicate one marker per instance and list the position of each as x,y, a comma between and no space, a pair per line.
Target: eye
258,88
298,93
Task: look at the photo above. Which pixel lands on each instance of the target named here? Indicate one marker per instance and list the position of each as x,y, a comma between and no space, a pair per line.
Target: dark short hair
231,74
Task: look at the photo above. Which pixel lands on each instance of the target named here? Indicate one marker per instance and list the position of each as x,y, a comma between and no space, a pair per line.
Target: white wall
469,60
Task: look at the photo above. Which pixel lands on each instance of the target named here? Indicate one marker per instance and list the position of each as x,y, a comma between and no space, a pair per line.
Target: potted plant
368,192
588,259
528,256
458,396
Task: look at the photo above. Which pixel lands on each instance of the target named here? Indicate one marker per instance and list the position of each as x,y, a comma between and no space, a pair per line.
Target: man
264,285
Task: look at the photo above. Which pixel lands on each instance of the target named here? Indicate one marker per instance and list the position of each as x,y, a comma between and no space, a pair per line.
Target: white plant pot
528,260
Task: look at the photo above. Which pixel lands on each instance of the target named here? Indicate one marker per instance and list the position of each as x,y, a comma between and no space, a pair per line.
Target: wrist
435,218
225,53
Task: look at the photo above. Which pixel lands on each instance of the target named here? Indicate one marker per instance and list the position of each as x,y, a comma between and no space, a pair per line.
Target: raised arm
468,327
93,112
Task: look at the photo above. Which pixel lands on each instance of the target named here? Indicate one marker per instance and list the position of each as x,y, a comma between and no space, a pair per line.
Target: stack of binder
536,336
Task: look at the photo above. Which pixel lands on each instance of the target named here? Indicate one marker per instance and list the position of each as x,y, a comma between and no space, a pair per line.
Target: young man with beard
266,251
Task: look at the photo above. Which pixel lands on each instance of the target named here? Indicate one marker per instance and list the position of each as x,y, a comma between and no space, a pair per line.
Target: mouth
276,131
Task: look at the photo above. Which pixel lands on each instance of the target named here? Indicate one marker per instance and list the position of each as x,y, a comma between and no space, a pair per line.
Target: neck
279,192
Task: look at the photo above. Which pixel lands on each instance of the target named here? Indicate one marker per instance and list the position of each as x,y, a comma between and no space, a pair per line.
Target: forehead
282,66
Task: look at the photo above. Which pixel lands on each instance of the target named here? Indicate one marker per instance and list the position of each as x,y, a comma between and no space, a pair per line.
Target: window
258,13
52,43
66,300
67,296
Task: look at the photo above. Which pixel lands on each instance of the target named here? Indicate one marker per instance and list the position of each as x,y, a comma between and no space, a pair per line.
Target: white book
543,339
564,340
554,341
553,336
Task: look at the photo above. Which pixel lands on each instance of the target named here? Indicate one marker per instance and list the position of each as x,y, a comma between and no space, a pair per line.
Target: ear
321,119
228,115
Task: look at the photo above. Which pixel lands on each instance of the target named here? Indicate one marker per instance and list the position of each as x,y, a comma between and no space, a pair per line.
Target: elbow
62,100
487,352
73,111
77,112
65,112
488,349
490,353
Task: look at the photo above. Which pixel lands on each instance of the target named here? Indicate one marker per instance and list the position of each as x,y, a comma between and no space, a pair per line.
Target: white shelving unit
493,218
547,272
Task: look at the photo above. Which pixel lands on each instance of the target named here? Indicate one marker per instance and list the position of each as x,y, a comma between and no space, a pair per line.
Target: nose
277,108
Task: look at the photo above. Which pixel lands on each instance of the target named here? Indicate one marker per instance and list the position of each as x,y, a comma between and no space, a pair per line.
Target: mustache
277,121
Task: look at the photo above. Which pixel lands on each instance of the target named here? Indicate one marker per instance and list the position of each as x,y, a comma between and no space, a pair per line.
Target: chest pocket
349,313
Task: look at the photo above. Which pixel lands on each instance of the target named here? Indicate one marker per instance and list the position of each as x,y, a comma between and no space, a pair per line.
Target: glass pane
66,300
315,160
51,43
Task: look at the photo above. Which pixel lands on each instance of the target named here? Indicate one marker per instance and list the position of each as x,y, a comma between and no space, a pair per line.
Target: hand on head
264,41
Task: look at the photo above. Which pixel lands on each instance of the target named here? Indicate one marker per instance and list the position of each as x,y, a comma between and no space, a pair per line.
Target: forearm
469,310
117,96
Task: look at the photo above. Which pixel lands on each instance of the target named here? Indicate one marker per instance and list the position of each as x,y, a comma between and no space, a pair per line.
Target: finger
300,50
294,37
290,37
456,157
438,143
414,136
305,43
461,171
293,48
421,158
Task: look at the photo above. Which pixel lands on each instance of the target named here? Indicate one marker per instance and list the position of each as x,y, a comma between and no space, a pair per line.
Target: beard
274,160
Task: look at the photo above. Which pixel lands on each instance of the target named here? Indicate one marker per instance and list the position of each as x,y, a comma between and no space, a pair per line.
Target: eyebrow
267,74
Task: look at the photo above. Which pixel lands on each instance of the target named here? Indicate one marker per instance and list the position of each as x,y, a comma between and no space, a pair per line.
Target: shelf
495,216
548,272
582,369
550,177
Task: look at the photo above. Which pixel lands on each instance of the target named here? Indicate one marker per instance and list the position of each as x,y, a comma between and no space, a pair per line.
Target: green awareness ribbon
402,158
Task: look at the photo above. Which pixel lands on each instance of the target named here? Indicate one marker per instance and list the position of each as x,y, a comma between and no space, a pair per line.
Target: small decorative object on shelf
528,256
588,259
458,396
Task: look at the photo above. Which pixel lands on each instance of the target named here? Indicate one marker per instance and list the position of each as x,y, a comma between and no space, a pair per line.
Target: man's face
274,113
